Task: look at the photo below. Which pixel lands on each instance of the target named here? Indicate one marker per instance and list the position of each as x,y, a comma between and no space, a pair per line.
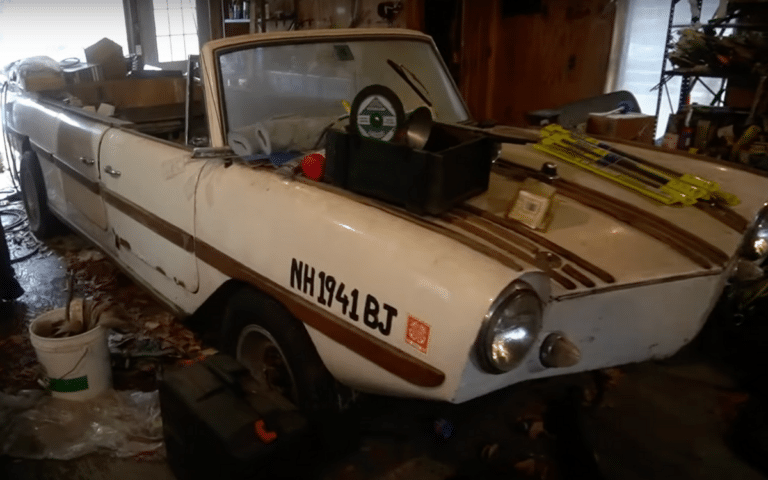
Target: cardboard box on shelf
109,55
628,126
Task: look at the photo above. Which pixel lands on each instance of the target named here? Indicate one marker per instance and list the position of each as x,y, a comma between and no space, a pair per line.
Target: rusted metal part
544,242
165,229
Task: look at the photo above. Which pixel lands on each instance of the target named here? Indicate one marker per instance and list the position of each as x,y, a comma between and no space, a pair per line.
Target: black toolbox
453,165
214,428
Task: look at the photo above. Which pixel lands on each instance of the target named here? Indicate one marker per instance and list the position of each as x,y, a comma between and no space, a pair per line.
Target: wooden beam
413,15
216,18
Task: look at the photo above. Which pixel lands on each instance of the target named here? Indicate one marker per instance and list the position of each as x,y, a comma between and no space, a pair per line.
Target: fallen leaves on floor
532,421
612,376
139,326
21,368
146,328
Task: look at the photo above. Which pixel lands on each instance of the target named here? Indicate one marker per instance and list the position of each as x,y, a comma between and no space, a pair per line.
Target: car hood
604,236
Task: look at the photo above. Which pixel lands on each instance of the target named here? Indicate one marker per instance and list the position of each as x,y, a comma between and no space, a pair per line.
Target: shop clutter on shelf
703,52
238,10
737,130
720,132
732,47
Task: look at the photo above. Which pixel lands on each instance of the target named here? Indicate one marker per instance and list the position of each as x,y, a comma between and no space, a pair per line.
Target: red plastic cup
313,166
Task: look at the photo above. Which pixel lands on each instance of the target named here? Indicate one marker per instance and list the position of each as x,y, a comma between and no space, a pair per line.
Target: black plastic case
210,423
453,166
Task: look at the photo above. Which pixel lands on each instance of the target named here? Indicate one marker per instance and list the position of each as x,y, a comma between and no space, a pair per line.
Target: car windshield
280,97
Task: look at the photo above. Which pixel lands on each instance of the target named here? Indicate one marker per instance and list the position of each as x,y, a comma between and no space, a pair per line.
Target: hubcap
258,351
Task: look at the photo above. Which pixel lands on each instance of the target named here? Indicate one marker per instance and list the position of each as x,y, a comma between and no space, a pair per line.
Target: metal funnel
418,127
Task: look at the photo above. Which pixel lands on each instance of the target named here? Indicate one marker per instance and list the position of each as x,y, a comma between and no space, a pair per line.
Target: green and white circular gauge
377,113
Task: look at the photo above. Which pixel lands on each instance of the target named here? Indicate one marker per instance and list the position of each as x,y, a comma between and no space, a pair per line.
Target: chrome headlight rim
757,231
514,292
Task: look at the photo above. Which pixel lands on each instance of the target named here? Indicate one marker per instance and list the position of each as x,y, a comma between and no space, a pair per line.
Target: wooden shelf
236,28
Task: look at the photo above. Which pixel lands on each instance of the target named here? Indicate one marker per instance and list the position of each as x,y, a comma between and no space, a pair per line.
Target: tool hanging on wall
629,171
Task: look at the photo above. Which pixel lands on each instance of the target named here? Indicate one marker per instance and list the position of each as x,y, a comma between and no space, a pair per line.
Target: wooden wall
514,64
325,14
509,64
338,14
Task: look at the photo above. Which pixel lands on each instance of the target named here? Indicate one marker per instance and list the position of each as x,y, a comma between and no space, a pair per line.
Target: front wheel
275,347
41,221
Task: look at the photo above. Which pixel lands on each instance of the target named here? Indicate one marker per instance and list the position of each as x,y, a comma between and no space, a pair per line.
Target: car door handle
87,161
112,171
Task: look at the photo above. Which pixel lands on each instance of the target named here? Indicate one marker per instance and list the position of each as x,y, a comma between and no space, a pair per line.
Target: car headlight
755,246
510,328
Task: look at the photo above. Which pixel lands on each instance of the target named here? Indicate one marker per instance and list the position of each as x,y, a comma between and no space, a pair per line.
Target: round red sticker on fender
313,166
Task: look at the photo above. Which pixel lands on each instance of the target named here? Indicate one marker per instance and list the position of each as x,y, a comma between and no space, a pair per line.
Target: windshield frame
315,39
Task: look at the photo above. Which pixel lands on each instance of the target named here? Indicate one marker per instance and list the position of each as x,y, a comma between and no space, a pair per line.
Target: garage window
643,54
175,29
58,29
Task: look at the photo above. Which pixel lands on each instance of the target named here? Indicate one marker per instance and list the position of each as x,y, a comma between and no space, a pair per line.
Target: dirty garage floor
653,420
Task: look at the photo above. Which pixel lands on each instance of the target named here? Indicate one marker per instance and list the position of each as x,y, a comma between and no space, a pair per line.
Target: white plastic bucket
78,367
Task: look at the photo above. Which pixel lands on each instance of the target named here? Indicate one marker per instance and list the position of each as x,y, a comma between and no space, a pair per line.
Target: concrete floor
653,420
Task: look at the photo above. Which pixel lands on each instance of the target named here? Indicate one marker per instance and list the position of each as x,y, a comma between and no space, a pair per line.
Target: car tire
262,335
41,221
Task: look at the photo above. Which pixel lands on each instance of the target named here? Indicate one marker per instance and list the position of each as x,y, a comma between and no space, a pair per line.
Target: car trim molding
494,230
695,248
643,283
507,246
718,211
466,209
381,353
685,243
724,215
421,221
83,180
170,232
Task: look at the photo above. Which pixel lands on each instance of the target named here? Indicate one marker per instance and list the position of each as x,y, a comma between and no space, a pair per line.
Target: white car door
77,149
149,187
